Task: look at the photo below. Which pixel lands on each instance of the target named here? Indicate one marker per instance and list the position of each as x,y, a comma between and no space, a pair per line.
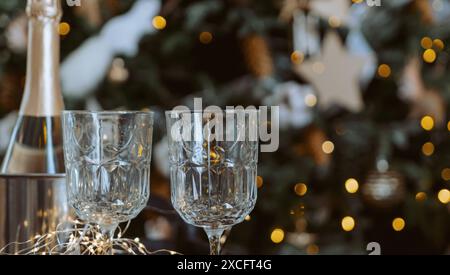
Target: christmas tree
363,93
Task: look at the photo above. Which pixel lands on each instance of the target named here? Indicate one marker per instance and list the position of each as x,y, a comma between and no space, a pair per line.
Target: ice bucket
30,205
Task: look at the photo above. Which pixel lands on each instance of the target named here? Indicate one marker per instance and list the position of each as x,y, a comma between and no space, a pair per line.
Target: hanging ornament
306,33
16,34
334,84
358,45
257,56
118,72
424,101
301,238
383,189
305,27
295,102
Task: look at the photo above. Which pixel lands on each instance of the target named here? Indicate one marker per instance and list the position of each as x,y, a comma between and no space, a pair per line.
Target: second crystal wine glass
107,157
213,168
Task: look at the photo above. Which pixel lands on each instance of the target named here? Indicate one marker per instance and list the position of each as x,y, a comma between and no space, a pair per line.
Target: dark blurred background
363,92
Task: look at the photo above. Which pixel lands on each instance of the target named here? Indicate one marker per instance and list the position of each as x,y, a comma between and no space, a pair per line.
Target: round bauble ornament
384,189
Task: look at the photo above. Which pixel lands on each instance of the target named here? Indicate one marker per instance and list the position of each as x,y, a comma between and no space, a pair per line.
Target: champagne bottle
36,142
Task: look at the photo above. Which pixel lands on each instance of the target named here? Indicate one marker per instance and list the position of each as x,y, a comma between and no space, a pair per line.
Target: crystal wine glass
107,157
213,179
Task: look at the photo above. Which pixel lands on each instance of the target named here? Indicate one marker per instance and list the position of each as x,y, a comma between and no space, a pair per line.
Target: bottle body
36,143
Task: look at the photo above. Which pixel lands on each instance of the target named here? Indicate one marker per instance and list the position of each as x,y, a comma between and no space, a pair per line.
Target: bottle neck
42,96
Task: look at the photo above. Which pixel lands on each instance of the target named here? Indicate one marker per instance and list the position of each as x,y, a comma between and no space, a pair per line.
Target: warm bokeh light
351,185
384,70
64,28
426,43
248,218
429,56
259,181
205,37
310,100
277,235
297,57
348,223
421,196
312,249
428,149
445,174
448,125
427,123
334,22
159,22
398,224
301,189
438,44
444,196
328,147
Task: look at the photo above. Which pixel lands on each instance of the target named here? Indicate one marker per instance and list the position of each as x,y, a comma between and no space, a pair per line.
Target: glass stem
108,233
214,235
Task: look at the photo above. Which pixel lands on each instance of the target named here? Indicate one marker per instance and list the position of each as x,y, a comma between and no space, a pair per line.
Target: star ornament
335,75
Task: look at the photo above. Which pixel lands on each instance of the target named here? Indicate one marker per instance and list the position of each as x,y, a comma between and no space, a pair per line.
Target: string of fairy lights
74,237
431,48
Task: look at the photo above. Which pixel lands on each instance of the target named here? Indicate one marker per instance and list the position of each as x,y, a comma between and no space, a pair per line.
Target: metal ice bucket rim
32,176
